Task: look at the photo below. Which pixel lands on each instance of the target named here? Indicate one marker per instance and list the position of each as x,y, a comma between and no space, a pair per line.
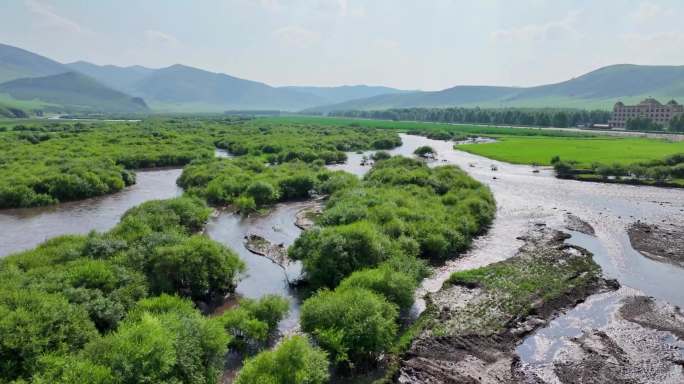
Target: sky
408,44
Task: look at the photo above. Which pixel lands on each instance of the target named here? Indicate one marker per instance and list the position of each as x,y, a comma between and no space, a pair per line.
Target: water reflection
22,229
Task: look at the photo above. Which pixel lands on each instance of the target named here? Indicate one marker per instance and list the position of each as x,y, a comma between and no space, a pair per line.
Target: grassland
409,126
540,150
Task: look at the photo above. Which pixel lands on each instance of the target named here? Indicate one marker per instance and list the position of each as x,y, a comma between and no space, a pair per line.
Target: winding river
524,196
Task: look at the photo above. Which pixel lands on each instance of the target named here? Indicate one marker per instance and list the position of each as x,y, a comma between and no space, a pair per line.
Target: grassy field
404,126
540,150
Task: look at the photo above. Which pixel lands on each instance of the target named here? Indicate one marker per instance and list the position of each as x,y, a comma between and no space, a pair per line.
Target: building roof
650,101
672,102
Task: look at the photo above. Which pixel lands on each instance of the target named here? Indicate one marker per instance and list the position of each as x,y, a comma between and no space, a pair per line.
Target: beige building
650,108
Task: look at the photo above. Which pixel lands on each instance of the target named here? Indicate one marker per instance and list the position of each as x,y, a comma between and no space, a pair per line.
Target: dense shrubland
293,361
117,307
370,249
666,172
44,163
250,184
277,143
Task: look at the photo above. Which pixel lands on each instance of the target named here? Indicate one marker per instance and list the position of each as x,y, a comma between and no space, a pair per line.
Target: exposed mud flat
305,219
262,247
574,223
629,339
663,242
472,329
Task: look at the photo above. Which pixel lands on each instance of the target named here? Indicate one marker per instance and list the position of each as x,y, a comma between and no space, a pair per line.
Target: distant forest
523,117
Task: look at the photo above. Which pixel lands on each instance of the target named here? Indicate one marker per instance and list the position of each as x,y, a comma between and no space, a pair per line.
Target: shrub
425,151
397,287
69,369
261,192
197,267
253,321
380,155
331,254
293,361
33,323
354,325
184,348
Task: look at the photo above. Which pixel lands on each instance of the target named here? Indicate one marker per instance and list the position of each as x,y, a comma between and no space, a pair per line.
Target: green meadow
605,150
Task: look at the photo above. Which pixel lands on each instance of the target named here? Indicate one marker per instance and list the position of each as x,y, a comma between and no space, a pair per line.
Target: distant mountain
16,63
597,89
183,88
178,87
459,95
334,95
119,78
74,92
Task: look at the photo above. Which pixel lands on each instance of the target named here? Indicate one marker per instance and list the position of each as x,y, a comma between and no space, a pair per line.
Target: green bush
253,321
425,151
397,287
332,253
293,361
354,325
162,348
34,323
69,369
197,267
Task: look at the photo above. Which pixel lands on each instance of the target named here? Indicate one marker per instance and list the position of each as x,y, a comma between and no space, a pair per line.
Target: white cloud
47,17
657,41
386,43
648,12
337,7
271,5
550,31
161,38
297,37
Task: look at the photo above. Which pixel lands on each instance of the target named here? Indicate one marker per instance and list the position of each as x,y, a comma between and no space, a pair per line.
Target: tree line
519,117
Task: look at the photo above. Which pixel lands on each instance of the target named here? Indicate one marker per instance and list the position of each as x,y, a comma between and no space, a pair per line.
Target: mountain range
34,82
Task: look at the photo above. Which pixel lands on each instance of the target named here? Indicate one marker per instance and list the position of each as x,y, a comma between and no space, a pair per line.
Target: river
22,229
524,195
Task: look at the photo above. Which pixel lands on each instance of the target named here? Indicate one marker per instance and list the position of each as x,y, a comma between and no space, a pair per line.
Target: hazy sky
412,44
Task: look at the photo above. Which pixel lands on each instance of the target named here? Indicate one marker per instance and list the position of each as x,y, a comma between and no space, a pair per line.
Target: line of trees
645,124
514,116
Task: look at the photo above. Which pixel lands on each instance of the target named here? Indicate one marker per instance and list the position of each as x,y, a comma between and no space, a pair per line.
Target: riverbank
661,242
472,325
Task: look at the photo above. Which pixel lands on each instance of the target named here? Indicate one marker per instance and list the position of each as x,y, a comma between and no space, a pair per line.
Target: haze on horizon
399,43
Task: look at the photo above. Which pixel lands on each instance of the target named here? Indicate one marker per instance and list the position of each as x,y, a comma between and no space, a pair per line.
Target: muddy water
525,197
22,229
263,275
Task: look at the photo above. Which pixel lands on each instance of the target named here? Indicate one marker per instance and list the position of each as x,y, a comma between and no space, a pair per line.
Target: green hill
120,78
345,92
179,84
597,89
74,92
16,63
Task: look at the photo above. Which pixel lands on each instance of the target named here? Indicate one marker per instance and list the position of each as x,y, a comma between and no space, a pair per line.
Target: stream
525,195
25,228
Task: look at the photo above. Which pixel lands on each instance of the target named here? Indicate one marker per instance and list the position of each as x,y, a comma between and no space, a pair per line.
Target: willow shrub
354,325
56,297
371,244
293,361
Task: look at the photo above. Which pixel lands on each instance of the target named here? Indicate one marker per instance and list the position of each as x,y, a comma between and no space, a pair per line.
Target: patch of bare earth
474,326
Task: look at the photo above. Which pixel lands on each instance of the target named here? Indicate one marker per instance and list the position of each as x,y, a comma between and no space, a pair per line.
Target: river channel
525,195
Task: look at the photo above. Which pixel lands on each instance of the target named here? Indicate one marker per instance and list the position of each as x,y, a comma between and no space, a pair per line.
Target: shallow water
22,229
263,275
523,197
